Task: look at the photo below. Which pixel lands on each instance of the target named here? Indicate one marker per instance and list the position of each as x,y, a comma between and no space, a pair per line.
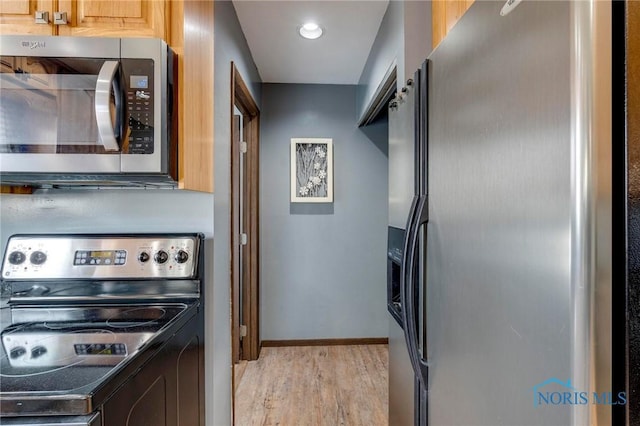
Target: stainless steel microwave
87,111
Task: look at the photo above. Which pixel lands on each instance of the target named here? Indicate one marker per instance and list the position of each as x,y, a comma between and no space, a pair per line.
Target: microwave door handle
106,131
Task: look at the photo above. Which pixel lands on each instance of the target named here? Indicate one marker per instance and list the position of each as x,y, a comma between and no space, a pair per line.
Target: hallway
315,386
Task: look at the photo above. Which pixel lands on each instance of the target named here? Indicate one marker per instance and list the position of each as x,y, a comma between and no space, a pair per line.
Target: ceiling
283,56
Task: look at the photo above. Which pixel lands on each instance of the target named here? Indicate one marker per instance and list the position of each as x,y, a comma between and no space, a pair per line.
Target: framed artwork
311,170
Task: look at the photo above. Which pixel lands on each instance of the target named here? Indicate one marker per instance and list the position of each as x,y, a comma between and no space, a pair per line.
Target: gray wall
108,210
230,45
417,36
403,40
386,51
323,266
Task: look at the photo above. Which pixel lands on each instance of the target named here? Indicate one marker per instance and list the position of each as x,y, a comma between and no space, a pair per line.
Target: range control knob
38,351
38,257
17,352
143,257
182,256
17,257
161,257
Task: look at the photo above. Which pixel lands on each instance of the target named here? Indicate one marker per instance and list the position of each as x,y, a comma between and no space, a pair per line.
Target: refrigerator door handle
405,250
419,217
404,281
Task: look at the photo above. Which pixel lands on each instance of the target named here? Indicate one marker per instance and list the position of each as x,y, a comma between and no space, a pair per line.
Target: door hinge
243,330
243,147
243,239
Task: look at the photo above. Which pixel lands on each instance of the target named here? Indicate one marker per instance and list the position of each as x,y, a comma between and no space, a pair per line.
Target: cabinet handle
60,18
41,17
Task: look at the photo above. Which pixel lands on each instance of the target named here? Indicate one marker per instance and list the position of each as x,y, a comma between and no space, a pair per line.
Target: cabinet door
444,15
109,18
18,17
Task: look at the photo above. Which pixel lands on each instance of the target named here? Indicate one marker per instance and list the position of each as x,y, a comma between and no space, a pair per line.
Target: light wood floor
315,386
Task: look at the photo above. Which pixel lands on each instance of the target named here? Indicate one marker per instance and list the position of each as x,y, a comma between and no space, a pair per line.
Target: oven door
89,420
59,113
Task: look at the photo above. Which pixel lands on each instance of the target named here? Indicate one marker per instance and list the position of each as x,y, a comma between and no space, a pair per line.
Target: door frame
242,99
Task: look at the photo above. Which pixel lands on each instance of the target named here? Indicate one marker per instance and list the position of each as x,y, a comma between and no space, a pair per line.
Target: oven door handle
106,127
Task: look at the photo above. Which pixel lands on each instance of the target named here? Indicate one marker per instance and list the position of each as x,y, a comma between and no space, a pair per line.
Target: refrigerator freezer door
401,194
401,379
500,184
401,159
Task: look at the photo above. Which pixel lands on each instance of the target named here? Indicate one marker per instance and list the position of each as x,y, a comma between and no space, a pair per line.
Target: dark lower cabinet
168,390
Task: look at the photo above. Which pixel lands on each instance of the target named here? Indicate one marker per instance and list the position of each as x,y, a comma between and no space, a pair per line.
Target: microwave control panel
138,78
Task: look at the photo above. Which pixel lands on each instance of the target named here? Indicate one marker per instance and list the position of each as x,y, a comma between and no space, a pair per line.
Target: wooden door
245,232
236,270
18,17
122,18
245,216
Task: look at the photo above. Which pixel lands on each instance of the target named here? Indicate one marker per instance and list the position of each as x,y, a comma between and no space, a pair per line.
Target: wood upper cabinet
196,71
166,19
444,15
93,18
122,18
18,17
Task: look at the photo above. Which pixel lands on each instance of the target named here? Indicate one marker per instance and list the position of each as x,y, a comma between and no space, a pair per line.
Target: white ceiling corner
282,56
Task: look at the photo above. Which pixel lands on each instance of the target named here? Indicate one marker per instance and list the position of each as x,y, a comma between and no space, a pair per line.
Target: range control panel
31,349
54,257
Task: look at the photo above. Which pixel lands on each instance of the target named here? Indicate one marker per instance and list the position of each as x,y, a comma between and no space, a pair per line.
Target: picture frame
311,170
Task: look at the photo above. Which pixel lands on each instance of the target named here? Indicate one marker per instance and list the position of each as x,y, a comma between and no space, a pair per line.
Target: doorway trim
242,99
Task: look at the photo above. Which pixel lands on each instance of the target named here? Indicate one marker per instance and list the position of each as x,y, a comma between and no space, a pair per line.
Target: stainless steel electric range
102,330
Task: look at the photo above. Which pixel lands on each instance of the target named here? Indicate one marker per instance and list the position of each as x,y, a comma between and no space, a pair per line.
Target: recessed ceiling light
310,30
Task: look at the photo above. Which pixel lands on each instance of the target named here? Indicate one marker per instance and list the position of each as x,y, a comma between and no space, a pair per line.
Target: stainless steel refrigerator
500,184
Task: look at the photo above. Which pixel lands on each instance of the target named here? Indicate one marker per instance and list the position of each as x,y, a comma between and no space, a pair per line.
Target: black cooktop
83,314
70,352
